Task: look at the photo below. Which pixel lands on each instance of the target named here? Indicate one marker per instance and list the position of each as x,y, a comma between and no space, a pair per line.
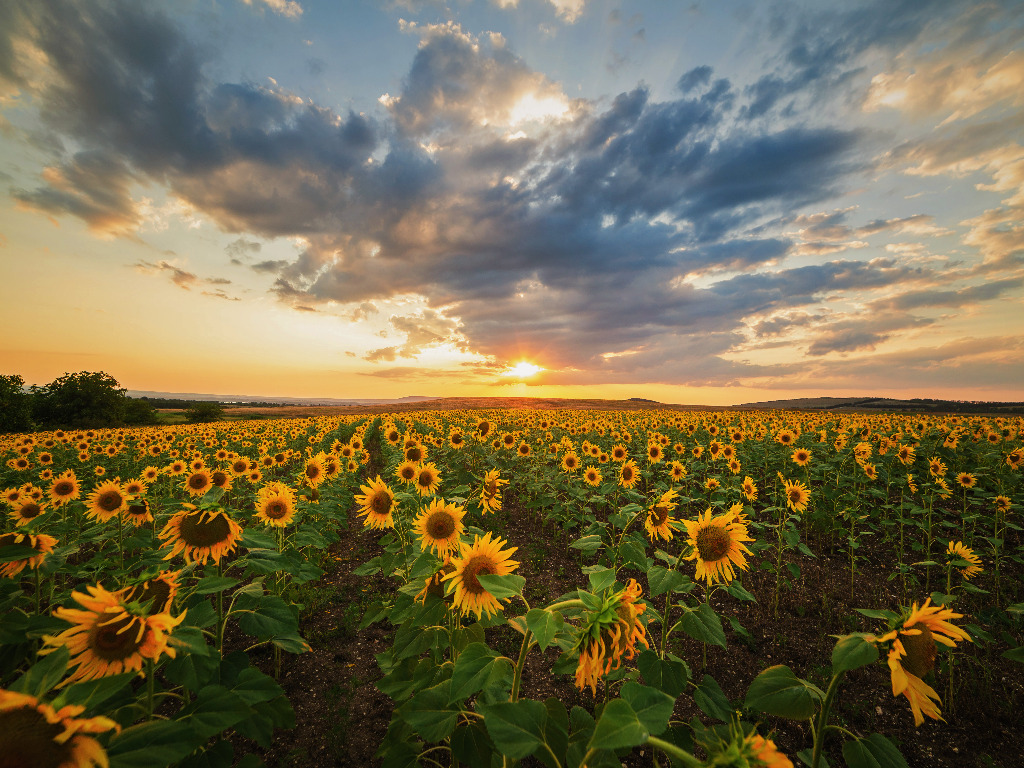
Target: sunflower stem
517,675
669,749
822,723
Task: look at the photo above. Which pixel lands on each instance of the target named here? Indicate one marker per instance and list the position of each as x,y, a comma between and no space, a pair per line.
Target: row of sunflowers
143,570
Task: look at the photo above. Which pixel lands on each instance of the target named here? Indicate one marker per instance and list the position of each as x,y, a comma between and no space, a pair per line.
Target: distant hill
913,405
241,399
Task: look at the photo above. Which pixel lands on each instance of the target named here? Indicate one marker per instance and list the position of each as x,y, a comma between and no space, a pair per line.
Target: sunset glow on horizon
708,203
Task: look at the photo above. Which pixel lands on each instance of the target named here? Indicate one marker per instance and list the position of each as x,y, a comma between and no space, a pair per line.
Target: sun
522,370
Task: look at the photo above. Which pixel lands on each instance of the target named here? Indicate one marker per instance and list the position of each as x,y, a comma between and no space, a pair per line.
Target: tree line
82,400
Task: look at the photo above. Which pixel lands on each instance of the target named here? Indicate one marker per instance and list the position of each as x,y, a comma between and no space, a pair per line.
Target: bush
202,412
15,405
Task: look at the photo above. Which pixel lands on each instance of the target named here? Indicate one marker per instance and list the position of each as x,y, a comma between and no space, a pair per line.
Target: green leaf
852,652
619,727
471,745
652,707
661,580
12,552
517,728
545,624
872,613
601,579
474,669
875,751
44,674
666,675
703,624
556,734
189,639
502,586
151,745
1015,654
736,590
430,713
590,543
778,691
633,553
92,693
211,584
215,710
711,699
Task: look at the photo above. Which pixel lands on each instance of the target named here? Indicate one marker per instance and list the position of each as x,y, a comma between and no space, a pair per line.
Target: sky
692,202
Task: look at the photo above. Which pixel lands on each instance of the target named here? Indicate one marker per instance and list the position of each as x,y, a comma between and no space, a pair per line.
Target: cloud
241,249
289,8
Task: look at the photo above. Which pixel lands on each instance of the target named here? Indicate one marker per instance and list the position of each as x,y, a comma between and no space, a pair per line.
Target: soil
341,717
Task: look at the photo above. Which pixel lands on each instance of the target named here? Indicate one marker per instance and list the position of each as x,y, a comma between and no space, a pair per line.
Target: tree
80,400
199,412
15,405
138,412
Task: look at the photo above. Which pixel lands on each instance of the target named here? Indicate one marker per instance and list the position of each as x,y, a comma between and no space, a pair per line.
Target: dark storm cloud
574,243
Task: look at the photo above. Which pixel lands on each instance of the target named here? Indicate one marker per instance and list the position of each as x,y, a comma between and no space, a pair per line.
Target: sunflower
797,495
239,466
711,484
107,638
570,462
677,470
717,544
786,437
697,451
138,513
40,542
654,453
628,474
407,472
749,488
26,510
913,653
64,489
377,505
608,634
275,505
155,595
936,467
1002,503
801,457
966,480
911,484
764,752
483,429
484,556
490,493
957,551
659,524
592,476
313,471
440,527
176,468
221,479
427,479
34,733
107,501
11,495
198,483
619,453
1015,458
201,534
416,453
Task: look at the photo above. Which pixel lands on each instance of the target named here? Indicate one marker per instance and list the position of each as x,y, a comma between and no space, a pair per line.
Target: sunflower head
484,556
201,534
490,492
608,633
440,527
377,505
427,479
970,563
34,733
40,542
717,546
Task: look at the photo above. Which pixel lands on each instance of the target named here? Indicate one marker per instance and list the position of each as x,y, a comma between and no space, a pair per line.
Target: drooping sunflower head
200,535
1002,503
138,513
39,542
659,522
377,505
484,556
490,492
914,651
608,634
440,527
717,546
936,467
749,488
313,472
957,551
33,733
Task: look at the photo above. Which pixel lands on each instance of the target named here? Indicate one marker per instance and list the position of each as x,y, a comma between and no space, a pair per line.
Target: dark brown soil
341,718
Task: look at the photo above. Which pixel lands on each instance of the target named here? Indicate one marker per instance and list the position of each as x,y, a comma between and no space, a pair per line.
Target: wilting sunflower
407,472
762,752
628,474
107,638
484,556
906,455
717,544
275,505
427,479
913,653
155,595
26,510
936,467
797,495
440,527
198,483
201,534
608,634
377,505
107,501
64,489
957,551
34,733
659,523
490,492
40,542
592,476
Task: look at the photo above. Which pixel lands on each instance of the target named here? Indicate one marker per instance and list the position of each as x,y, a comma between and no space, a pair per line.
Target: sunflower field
559,587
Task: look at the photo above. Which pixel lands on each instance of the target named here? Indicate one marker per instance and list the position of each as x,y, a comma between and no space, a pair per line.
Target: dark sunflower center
138,510
30,510
109,501
627,474
440,525
491,488
116,640
197,531
155,590
219,478
414,454
381,502
408,473
276,510
476,565
795,496
313,471
456,439
659,515
425,479
921,652
393,436
240,466
484,428
26,739
198,481
713,543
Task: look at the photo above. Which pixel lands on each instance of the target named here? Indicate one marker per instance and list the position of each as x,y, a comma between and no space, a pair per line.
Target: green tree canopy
200,412
80,400
15,405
